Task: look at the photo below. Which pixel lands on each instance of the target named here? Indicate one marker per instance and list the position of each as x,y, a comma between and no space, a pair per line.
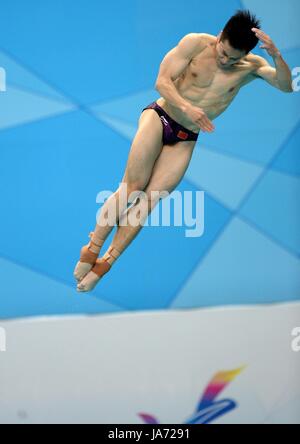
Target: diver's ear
219,35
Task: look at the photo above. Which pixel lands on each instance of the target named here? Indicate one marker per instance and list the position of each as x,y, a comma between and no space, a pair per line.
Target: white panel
108,369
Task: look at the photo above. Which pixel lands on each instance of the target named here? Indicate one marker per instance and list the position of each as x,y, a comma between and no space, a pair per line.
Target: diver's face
227,56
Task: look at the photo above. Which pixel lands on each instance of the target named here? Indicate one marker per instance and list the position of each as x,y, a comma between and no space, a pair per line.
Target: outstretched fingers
205,124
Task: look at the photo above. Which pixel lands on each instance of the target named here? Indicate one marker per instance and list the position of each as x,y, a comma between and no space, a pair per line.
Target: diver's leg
168,171
144,151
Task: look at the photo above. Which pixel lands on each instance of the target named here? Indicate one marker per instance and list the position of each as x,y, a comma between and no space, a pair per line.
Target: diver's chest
203,74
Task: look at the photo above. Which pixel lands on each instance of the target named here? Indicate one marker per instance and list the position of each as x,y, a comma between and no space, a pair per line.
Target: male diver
197,81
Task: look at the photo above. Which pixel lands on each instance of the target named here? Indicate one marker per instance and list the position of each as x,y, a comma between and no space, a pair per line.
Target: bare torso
207,86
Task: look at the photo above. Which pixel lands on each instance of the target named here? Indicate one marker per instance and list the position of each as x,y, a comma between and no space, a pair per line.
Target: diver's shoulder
202,36
208,38
255,59
253,62
198,41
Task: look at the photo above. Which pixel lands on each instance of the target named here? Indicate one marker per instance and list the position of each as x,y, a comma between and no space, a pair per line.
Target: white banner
222,365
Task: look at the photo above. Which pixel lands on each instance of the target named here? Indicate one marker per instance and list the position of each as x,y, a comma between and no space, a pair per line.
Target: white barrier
222,365
2,340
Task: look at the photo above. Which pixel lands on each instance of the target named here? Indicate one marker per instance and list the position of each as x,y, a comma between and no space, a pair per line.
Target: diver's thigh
171,166
145,149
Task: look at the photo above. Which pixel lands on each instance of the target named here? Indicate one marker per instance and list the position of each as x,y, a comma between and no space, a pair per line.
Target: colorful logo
208,408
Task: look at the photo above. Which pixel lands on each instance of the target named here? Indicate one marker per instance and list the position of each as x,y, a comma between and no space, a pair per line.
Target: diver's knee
155,196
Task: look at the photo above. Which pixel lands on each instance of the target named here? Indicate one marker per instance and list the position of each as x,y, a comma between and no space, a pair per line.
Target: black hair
238,31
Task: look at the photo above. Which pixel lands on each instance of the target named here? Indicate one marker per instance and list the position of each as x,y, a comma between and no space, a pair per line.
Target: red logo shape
182,135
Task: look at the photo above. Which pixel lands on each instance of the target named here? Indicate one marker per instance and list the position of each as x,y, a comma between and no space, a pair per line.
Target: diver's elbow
288,89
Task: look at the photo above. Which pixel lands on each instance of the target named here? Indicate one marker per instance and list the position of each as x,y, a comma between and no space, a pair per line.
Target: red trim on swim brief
182,135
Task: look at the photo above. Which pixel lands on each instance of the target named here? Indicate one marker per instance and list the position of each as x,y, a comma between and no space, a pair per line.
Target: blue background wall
78,75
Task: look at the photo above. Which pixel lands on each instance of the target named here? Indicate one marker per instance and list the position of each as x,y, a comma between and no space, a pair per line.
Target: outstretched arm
280,76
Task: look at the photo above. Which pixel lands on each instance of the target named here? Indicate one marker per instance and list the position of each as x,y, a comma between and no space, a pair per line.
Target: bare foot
89,282
88,257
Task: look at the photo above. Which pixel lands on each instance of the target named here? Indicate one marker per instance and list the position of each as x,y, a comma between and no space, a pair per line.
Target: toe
81,270
81,288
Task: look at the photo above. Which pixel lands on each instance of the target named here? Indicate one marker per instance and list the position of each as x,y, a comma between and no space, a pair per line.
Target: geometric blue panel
154,39
105,49
274,207
224,177
289,159
85,53
291,56
28,293
126,130
17,75
256,124
63,57
18,107
279,19
128,108
50,174
243,267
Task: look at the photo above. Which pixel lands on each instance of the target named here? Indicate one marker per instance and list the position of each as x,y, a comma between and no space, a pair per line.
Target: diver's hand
198,116
268,43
